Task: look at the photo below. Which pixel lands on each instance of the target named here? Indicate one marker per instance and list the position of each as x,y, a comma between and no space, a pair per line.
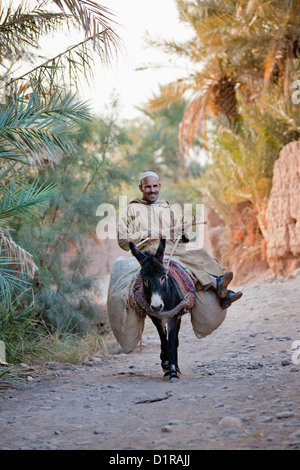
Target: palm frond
16,252
22,27
12,281
194,13
7,168
193,49
172,92
40,126
213,28
96,21
193,117
63,70
19,198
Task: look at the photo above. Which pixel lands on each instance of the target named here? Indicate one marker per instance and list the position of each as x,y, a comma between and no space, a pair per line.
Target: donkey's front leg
173,343
164,356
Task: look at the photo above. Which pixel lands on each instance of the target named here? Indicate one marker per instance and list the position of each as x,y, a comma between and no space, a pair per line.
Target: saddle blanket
185,283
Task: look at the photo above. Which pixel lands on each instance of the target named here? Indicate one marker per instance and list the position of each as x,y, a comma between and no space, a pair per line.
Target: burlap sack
206,315
125,323
128,326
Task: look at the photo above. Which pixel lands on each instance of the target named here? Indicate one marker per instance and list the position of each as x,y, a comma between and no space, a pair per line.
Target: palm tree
33,133
38,113
244,58
237,49
19,197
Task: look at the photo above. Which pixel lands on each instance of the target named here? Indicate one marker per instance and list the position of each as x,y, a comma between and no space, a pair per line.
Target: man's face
150,188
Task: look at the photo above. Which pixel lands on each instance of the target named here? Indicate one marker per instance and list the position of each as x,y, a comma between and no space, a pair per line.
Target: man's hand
154,233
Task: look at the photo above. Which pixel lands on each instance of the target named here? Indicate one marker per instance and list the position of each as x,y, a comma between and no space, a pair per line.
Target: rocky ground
239,389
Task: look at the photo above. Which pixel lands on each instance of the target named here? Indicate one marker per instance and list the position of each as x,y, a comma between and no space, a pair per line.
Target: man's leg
219,285
230,297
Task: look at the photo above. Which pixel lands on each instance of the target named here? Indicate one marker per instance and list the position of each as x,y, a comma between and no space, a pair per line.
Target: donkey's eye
146,283
162,279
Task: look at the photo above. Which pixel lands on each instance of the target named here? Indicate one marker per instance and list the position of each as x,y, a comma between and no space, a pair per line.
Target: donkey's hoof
171,376
167,376
174,378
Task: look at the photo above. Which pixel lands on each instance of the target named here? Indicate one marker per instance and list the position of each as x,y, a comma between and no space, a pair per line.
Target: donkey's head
153,275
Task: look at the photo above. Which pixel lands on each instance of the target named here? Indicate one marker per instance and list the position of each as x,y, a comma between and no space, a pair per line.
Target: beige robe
140,217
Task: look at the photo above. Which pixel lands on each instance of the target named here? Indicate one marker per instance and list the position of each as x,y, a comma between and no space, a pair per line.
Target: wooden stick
171,228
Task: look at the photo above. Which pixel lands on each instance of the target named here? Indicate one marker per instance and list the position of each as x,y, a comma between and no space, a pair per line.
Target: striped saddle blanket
185,283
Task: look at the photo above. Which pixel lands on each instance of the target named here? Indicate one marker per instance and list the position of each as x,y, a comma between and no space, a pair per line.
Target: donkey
161,294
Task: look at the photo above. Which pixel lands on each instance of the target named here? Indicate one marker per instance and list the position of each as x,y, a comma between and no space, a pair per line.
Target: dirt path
239,389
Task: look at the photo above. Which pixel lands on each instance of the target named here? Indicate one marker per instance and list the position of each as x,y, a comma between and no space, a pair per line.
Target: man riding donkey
144,223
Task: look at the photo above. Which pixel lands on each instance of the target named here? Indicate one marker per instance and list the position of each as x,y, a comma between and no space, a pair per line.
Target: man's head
149,186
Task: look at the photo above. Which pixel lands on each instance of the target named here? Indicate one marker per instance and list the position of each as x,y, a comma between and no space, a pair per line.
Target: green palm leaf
12,280
40,125
18,198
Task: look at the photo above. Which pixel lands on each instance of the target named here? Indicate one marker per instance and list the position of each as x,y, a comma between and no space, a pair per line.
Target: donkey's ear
161,249
136,253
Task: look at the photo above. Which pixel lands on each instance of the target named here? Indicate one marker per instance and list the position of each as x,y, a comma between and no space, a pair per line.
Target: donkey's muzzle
156,303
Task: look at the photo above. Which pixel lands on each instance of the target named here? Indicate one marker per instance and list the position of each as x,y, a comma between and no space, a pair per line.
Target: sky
134,88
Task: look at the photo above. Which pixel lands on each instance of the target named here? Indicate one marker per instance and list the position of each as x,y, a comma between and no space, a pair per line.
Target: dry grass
70,348
57,348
